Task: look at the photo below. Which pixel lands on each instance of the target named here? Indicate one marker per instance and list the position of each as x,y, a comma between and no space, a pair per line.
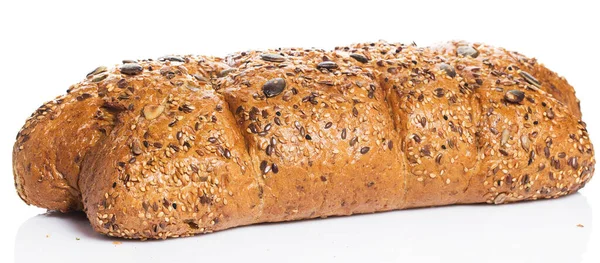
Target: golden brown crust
188,145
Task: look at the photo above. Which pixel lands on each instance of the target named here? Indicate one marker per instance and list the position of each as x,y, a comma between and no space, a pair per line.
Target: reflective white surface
46,46
541,231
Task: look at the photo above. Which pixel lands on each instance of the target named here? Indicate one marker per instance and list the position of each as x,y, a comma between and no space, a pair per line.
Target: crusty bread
187,145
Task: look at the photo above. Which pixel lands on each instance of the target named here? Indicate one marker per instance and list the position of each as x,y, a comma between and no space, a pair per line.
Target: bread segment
436,120
325,144
174,165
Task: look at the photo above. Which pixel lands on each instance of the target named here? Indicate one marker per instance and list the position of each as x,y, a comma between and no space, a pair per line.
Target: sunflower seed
500,198
494,130
550,113
503,152
253,128
268,127
364,150
264,167
417,138
541,167
439,92
122,83
438,158
353,141
135,148
531,157
530,79
573,162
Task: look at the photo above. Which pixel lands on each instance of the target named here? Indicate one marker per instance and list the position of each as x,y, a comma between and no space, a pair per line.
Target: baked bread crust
192,144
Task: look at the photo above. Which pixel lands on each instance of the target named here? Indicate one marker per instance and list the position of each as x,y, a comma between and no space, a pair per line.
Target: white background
45,46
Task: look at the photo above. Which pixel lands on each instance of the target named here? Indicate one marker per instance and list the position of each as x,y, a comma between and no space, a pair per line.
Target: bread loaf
191,144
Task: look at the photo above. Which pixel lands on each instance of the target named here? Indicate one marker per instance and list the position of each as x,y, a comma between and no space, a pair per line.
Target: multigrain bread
187,145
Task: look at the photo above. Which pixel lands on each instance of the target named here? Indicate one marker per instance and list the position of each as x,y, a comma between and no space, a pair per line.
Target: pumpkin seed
505,136
448,69
199,78
272,57
98,70
131,69
514,96
99,77
274,87
171,58
360,58
500,198
327,65
225,72
467,51
525,142
153,111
